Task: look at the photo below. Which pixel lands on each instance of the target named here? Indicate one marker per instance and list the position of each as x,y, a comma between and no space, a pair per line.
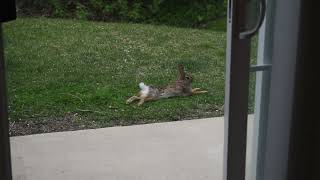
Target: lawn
69,74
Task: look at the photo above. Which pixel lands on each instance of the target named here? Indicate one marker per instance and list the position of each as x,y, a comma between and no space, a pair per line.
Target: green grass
218,25
57,66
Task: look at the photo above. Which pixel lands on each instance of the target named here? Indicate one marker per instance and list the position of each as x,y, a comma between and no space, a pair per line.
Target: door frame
236,93
5,155
279,108
285,54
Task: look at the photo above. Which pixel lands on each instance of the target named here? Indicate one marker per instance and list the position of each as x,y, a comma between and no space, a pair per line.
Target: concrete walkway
180,150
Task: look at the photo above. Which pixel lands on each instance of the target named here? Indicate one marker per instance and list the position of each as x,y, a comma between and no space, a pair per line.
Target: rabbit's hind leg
133,98
145,99
142,100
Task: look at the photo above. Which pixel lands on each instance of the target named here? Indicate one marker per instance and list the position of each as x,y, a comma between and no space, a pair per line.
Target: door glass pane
259,94
76,74
251,111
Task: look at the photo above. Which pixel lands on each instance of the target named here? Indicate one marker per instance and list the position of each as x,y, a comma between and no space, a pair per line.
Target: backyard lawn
70,74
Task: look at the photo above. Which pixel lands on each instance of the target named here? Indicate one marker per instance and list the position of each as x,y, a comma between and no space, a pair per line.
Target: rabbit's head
188,78
183,76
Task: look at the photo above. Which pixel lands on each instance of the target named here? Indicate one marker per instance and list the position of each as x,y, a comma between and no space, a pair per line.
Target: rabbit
182,87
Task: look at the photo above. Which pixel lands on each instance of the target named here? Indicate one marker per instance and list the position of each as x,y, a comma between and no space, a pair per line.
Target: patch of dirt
47,125
73,121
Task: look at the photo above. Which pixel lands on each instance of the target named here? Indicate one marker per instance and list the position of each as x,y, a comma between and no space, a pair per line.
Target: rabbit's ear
182,74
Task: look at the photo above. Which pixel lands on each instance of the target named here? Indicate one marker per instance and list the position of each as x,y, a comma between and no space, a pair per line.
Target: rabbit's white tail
144,88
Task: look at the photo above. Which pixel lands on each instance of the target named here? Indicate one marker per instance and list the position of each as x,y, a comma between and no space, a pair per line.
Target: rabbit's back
180,88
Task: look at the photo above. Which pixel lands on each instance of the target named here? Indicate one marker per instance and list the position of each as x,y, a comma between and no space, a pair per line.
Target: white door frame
277,99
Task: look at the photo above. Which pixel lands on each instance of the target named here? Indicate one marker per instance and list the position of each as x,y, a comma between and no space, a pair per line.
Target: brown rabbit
182,87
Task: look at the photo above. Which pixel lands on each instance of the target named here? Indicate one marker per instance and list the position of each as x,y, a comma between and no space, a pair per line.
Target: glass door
269,135
257,148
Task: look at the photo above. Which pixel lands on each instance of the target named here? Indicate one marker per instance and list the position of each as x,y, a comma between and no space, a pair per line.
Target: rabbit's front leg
198,91
195,89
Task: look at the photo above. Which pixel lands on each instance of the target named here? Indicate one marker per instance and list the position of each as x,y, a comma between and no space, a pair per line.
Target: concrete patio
180,150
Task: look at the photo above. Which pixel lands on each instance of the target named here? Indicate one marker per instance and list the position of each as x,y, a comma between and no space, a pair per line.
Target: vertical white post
261,96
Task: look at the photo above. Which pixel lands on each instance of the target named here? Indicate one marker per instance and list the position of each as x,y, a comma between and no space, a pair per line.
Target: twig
88,110
12,124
